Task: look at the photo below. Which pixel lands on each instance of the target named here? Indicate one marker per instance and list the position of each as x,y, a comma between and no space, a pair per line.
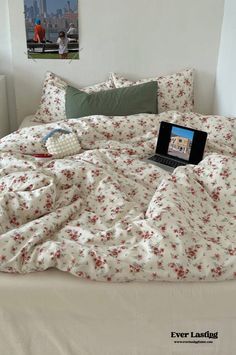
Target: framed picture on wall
52,29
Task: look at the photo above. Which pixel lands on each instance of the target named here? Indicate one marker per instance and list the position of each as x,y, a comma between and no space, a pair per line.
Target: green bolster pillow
115,102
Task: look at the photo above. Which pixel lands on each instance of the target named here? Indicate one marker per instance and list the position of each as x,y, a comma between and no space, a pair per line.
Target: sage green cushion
115,102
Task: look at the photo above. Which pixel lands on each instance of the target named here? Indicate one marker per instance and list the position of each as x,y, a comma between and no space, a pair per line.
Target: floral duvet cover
107,215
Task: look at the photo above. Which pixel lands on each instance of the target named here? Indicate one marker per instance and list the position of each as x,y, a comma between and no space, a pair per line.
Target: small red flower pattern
175,91
107,215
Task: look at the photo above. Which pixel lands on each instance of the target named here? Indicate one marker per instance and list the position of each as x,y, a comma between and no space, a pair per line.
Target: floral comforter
107,215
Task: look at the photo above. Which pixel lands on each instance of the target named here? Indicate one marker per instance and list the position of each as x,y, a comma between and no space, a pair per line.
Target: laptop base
168,167
162,166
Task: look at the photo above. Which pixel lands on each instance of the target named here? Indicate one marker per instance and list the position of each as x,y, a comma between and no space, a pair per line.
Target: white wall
137,38
6,67
225,92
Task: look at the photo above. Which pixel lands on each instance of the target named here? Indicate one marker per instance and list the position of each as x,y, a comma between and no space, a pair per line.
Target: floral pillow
174,92
52,104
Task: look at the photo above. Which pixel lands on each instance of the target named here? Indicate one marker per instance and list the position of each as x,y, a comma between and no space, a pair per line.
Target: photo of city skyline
51,7
52,29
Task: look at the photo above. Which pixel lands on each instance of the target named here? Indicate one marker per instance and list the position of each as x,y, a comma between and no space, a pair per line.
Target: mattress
56,313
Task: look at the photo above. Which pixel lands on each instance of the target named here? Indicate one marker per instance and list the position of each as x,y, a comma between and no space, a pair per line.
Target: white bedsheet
28,122
55,313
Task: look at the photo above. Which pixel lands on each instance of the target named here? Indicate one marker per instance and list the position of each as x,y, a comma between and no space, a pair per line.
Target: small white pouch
61,143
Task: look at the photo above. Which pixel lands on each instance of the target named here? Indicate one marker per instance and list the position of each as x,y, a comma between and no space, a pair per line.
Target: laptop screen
180,144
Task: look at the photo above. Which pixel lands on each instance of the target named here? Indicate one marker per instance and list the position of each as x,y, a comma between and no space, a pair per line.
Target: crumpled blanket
107,215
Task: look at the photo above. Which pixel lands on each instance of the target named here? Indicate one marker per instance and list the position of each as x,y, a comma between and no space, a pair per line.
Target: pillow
175,91
114,102
52,104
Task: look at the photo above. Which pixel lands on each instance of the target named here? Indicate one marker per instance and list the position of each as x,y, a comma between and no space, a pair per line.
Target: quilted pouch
61,143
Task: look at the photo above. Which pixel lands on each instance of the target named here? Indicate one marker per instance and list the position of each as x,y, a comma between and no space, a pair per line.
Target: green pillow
115,102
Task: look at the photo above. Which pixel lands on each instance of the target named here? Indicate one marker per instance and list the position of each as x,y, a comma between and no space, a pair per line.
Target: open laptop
178,145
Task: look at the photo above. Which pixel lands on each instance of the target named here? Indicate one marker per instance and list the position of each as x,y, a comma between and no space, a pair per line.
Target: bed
54,312
110,214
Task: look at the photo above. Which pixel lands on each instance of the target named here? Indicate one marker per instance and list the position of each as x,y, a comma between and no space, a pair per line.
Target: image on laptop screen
180,143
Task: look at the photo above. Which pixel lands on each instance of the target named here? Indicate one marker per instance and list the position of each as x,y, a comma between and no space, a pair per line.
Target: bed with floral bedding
107,215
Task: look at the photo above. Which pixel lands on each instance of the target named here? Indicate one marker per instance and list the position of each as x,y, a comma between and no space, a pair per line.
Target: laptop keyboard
166,161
